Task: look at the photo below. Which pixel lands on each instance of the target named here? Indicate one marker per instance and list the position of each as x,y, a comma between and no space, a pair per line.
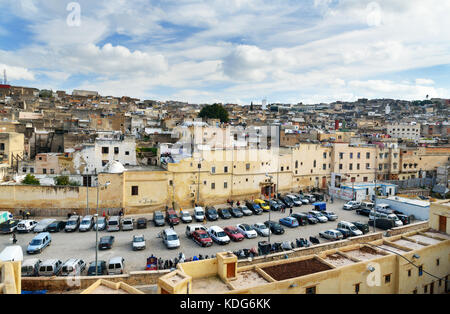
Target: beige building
11,145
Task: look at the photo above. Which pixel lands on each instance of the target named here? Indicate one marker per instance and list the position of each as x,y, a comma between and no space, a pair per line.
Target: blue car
40,242
290,222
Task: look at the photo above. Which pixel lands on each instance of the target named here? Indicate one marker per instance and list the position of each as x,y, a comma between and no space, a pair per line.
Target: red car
202,238
234,234
171,216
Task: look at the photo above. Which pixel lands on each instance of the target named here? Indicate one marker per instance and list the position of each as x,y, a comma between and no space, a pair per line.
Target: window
357,288
367,155
358,166
425,289
341,155
350,166
315,164
311,290
351,155
170,182
247,166
213,186
116,150
24,169
225,169
365,179
282,168
44,171
2,146
409,272
324,166
367,166
340,166
213,170
127,153
52,171
296,164
225,185
105,150
359,155
387,278
324,155
420,270
437,262
134,190
31,170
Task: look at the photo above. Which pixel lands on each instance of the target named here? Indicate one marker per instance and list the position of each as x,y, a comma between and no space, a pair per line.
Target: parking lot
82,244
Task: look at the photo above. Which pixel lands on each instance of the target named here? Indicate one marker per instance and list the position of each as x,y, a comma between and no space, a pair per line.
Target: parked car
73,267
141,223
138,242
374,214
382,223
172,217
303,199
158,219
296,200
190,229
261,229
86,223
350,227
30,267
331,216
50,268
106,243
26,226
245,210
406,220
234,234
287,201
218,235
114,224
319,216
100,270
361,226
346,233
331,234
211,214
116,266
320,206
199,214
310,198
363,211
186,217
351,205
127,224
72,224
202,238
9,226
274,205
311,219
101,222
255,208
56,226
367,205
274,227
301,218
39,242
247,231
264,206
319,197
42,225
236,212
224,213
281,203
290,222
170,238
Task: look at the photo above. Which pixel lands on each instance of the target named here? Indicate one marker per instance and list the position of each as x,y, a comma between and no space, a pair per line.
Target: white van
113,224
42,225
199,213
30,267
73,267
116,266
50,267
190,229
170,239
374,214
350,227
26,225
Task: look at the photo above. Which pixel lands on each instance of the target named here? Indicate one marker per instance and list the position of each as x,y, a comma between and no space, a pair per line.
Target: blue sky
234,51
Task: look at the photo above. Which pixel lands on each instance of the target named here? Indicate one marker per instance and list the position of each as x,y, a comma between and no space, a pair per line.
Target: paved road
82,245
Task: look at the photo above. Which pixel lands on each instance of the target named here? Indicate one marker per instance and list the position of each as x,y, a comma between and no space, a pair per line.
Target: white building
404,130
106,148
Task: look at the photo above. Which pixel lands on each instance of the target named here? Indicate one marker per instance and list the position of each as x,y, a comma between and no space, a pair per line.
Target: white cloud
16,73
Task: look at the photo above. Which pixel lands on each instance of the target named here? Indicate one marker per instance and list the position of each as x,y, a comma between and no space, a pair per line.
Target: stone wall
408,228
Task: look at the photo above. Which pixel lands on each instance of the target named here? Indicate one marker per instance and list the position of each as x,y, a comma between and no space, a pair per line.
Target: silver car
101,223
331,234
261,229
127,224
86,223
138,242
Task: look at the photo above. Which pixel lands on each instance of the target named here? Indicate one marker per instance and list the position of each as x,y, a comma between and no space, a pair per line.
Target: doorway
442,223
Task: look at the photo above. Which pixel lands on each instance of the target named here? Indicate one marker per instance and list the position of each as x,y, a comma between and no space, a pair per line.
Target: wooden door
442,223
231,270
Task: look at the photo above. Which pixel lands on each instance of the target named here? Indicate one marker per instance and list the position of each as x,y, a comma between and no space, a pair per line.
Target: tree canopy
30,180
215,111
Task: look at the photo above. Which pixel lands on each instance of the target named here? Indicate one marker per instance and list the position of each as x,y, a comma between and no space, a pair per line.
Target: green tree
215,111
30,180
62,180
45,93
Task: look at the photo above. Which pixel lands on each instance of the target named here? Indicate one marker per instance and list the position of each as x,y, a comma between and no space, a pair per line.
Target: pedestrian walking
14,239
171,224
204,220
290,211
238,203
28,215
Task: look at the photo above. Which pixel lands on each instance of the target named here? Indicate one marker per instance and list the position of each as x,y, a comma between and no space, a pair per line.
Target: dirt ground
296,269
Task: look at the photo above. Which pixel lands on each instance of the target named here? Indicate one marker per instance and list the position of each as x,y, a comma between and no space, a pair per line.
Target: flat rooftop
364,253
409,244
408,201
338,260
424,239
296,269
248,279
209,285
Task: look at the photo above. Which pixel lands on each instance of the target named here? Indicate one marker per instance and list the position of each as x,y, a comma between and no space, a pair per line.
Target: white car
247,231
199,213
185,216
26,225
261,229
319,216
218,235
352,205
138,242
331,235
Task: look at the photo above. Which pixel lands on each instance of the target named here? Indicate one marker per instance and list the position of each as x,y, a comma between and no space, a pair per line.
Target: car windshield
85,222
172,237
232,231
246,227
101,220
113,223
262,226
186,215
71,222
172,216
104,240
225,211
211,211
256,206
36,242
127,222
138,239
353,228
159,216
203,236
221,234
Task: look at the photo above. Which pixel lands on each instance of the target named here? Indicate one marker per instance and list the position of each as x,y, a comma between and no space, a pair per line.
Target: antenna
5,81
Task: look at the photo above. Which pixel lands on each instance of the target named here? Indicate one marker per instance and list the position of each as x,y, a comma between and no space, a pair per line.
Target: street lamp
270,193
96,226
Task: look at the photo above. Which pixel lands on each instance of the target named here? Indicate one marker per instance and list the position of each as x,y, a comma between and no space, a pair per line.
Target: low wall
408,228
315,249
56,284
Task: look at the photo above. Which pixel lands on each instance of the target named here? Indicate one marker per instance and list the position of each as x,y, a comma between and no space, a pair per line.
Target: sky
230,51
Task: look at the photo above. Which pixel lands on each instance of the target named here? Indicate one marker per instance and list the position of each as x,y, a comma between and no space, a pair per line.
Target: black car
361,226
383,223
141,223
106,242
56,226
311,219
287,201
280,202
9,226
274,227
363,211
346,233
274,205
301,218
406,220
255,208
236,212
224,213
211,214
101,268
319,197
